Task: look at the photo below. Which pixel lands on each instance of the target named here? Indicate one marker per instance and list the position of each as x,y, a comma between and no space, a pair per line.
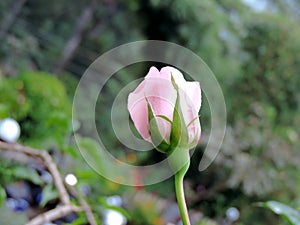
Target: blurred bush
38,101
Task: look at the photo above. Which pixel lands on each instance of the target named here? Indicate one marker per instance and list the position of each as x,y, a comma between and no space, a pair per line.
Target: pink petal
190,106
193,93
161,95
167,71
153,72
139,114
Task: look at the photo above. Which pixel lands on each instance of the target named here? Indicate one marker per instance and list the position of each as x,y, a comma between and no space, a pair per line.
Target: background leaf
48,194
289,214
2,195
26,173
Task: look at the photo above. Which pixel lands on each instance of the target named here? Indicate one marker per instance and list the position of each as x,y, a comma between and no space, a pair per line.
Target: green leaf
26,173
2,195
81,220
48,194
115,208
158,141
289,214
93,153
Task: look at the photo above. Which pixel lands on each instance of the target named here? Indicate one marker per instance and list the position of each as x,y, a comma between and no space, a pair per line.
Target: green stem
180,194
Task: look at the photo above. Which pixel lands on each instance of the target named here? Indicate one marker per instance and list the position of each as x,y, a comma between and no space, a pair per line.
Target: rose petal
161,95
190,105
153,72
167,71
138,110
193,92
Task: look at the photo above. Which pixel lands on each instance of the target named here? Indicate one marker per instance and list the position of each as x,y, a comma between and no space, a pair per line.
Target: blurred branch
84,205
77,36
67,207
10,18
54,214
47,159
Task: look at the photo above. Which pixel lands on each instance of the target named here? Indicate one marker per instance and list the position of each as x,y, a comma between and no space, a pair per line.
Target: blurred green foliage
289,214
254,55
29,98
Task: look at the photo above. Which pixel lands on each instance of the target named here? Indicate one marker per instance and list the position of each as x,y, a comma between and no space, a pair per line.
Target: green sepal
157,139
193,120
179,137
178,151
165,118
174,83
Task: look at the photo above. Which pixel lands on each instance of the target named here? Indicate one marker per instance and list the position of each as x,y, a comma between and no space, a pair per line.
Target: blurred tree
80,29
11,17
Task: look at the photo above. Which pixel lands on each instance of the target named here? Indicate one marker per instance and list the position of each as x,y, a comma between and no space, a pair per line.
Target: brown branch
58,182
47,159
67,207
84,205
54,214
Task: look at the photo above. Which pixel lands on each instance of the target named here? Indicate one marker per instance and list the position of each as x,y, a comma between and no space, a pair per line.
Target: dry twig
84,205
67,207
54,214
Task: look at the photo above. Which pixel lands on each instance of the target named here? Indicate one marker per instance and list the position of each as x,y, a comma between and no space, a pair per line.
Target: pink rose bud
164,109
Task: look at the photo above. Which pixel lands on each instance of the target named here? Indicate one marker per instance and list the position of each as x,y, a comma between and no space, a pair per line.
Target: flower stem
180,194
